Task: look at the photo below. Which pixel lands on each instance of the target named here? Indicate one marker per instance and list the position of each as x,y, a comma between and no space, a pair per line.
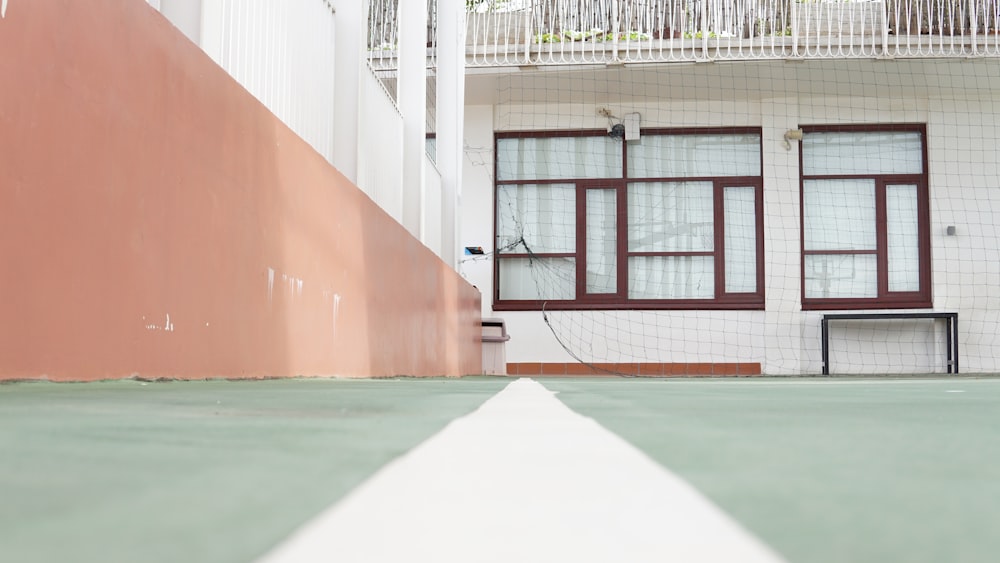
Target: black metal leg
954,335
949,338
826,347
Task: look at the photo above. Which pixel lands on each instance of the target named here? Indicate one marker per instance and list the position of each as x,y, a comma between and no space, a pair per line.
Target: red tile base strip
699,369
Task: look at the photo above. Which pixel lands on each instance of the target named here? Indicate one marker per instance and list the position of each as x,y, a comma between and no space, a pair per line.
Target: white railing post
704,29
973,25
349,55
885,28
450,120
794,12
616,26
528,21
412,101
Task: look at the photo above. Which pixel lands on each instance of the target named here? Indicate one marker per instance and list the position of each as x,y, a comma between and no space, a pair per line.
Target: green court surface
822,470
209,471
826,470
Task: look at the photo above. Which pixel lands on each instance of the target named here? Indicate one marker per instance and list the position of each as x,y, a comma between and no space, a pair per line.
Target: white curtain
862,153
537,278
544,216
839,214
903,239
670,217
740,239
671,277
841,276
558,158
602,241
686,156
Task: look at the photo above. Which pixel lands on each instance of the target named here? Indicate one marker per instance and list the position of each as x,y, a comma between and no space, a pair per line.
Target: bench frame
951,320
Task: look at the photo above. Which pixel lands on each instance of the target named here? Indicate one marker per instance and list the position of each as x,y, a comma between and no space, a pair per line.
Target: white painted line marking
524,478
954,391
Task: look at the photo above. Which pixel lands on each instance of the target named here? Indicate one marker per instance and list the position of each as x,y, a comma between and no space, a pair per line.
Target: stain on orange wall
156,220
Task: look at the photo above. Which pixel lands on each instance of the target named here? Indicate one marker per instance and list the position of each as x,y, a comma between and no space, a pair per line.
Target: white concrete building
793,160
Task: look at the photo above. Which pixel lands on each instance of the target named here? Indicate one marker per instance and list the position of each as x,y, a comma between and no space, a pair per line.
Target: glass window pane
536,218
671,277
841,276
839,214
903,240
537,278
670,217
862,153
602,243
679,156
740,239
558,158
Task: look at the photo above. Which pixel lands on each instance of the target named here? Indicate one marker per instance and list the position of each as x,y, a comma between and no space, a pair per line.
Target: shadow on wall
159,221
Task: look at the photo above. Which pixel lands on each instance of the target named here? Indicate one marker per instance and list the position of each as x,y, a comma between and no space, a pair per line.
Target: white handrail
540,32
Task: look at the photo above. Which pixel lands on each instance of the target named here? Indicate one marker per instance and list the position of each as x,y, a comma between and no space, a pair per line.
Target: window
673,220
865,241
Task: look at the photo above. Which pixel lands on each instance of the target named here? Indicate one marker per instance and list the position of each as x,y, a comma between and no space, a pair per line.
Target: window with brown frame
587,221
865,234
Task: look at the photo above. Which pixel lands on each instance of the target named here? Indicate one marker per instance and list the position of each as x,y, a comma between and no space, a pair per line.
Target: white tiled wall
959,101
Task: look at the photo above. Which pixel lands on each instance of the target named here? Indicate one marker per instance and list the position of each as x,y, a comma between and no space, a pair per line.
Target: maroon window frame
884,299
620,299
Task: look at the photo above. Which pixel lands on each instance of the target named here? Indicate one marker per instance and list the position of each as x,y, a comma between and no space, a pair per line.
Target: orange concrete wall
140,183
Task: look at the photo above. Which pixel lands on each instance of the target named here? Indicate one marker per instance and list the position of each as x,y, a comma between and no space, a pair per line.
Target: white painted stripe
523,479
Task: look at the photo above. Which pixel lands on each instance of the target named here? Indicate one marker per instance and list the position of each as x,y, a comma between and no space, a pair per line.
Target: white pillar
350,43
450,120
412,100
186,15
212,29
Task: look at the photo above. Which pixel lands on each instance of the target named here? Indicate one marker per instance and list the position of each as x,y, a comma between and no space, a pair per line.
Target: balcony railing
558,32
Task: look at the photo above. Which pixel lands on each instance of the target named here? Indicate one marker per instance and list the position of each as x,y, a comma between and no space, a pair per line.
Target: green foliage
698,35
596,35
484,5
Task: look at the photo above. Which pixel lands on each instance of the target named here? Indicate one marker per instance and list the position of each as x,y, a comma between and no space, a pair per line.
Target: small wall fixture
792,135
950,230
626,128
631,123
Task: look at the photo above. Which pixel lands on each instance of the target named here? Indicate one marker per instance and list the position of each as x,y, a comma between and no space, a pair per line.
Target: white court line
523,479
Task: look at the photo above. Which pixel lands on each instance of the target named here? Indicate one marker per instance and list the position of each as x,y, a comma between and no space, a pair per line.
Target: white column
350,43
412,101
450,120
212,29
186,15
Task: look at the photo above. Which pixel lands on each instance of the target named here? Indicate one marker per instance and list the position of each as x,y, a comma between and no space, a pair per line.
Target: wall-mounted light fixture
792,135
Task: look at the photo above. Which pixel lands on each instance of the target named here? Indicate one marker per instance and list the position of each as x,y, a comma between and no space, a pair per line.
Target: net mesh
880,237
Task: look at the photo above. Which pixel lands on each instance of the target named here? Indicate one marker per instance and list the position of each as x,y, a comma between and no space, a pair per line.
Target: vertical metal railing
280,53
518,32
